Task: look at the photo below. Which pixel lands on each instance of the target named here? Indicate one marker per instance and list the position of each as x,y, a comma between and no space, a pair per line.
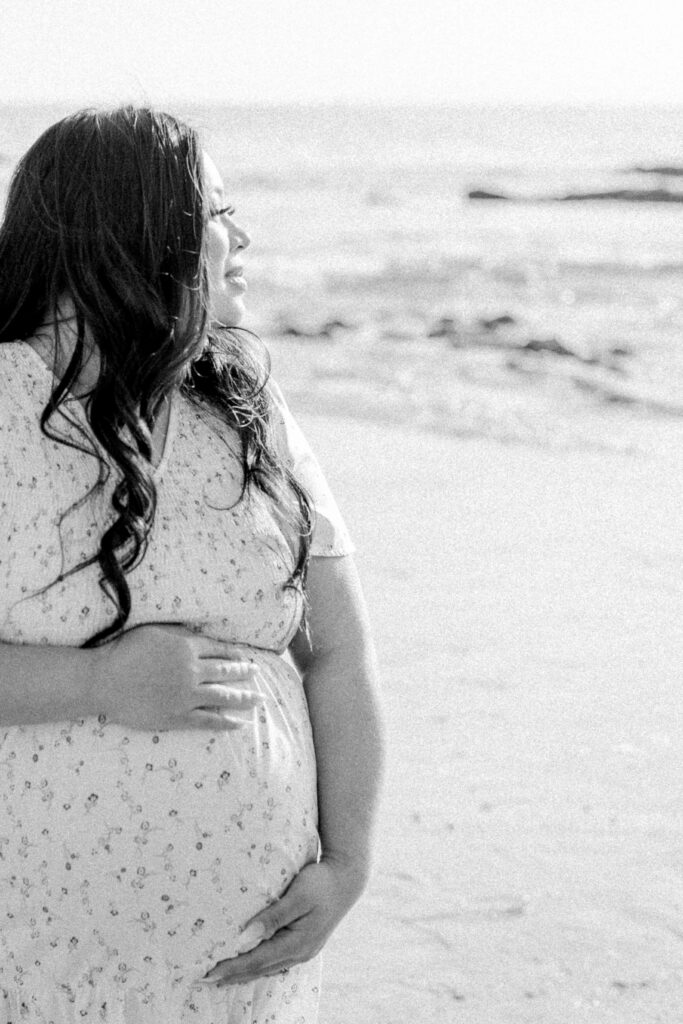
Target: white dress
129,859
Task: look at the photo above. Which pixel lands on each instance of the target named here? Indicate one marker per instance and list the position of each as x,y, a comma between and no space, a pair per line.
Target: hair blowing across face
108,208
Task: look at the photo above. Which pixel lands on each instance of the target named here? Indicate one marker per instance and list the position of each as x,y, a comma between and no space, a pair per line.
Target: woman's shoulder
22,372
19,433
25,388
330,536
20,383
40,475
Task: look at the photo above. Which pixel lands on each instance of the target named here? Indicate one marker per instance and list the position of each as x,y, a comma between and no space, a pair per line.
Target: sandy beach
527,606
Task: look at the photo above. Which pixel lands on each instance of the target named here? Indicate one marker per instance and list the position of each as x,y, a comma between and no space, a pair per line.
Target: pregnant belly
149,851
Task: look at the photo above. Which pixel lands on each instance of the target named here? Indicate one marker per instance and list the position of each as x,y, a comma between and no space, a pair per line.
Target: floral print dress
130,859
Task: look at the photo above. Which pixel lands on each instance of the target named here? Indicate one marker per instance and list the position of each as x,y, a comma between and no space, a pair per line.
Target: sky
321,51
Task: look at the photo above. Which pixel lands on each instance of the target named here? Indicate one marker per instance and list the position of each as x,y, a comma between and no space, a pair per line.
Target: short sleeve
330,535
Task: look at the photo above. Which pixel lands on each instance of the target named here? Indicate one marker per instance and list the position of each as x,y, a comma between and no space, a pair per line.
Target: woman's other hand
164,676
294,928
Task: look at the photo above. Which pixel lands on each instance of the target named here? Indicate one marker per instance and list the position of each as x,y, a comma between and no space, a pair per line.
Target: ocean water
371,271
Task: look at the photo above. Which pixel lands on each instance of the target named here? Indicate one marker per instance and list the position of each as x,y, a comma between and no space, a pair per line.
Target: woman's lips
236,279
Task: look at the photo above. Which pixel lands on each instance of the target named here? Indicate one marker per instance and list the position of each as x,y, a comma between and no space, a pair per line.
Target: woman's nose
240,239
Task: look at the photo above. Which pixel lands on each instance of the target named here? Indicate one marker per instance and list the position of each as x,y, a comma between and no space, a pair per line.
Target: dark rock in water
299,332
446,327
293,332
619,350
548,345
673,172
478,193
498,321
617,398
606,394
324,331
335,325
627,195
624,195
557,348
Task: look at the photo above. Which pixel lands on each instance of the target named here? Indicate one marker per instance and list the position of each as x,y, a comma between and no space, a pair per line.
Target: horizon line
385,104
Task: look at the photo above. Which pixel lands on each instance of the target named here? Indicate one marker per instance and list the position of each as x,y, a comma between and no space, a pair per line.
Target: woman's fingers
217,703
270,957
221,671
218,692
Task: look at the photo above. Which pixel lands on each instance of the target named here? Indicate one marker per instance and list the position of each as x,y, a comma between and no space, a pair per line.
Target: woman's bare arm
45,683
339,673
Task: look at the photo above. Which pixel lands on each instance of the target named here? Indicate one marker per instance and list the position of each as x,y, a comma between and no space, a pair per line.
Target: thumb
271,919
252,935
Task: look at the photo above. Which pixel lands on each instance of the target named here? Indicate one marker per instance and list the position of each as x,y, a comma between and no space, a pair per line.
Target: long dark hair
108,207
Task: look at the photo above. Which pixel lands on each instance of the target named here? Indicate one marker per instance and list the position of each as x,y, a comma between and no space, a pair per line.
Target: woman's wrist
354,866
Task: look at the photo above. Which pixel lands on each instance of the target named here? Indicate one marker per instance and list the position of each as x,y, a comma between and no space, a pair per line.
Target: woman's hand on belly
296,927
164,676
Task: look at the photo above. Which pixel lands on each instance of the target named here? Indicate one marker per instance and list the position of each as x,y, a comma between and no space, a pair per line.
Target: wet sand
528,612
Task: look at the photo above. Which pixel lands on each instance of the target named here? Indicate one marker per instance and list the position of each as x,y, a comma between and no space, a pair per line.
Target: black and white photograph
341,532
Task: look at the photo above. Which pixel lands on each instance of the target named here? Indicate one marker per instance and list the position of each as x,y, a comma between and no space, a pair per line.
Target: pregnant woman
190,746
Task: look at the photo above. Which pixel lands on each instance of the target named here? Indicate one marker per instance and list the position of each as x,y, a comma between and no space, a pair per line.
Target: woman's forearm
45,683
342,694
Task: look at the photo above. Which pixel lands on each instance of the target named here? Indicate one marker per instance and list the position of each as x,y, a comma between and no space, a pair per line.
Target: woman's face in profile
225,243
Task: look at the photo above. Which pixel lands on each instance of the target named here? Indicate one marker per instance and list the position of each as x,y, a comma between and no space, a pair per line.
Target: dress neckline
74,401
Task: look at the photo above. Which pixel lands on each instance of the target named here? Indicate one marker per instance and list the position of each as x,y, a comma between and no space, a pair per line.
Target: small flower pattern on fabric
129,860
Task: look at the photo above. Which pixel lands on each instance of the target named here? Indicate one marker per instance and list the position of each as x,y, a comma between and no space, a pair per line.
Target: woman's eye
224,209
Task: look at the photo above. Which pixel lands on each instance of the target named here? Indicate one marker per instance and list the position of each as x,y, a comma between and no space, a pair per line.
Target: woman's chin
231,317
